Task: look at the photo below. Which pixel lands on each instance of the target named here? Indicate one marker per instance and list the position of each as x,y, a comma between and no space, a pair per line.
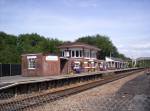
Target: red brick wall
46,68
50,67
68,69
31,72
43,67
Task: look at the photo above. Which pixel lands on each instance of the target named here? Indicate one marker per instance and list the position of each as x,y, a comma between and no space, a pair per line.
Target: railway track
44,97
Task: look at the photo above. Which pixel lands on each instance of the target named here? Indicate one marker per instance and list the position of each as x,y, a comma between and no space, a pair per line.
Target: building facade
115,63
78,57
74,58
40,64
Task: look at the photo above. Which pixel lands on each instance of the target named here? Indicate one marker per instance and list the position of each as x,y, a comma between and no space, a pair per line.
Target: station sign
51,58
31,57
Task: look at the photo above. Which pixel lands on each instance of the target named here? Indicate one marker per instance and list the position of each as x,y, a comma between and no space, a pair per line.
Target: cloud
127,27
135,50
145,46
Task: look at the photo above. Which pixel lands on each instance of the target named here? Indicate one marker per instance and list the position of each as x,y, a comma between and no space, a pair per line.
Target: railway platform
9,81
20,85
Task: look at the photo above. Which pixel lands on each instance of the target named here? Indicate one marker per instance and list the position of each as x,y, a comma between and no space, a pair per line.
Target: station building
40,64
78,57
115,63
74,57
102,65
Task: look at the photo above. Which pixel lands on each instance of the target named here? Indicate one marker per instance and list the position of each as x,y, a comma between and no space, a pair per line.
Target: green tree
11,47
8,49
104,43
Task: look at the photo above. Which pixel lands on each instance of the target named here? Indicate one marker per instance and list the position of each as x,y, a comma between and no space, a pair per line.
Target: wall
43,67
51,67
31,72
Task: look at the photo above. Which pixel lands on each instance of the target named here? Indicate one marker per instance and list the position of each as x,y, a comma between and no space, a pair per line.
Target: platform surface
8,81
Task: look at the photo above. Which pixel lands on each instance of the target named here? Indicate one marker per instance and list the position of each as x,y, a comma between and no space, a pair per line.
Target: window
77,53
80,53
66,53
84,54
93,54
72,53
87,54
63,54
31,63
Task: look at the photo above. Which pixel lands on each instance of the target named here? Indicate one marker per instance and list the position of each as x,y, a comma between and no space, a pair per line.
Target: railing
10,69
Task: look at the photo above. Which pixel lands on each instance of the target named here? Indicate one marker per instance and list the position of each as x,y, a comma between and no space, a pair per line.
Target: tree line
12,46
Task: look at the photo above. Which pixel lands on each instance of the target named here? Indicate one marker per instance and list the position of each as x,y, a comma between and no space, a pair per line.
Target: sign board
51,58
31,57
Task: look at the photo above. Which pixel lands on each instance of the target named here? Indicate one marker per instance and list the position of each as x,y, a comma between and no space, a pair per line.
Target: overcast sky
126,22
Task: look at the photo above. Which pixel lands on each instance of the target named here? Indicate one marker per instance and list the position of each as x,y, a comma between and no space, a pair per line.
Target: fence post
10,69
1,70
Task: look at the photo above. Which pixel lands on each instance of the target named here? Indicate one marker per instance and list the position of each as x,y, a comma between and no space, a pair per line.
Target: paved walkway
14,80
9,81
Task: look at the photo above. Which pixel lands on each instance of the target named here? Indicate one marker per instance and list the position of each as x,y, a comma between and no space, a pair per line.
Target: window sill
76,57
31,68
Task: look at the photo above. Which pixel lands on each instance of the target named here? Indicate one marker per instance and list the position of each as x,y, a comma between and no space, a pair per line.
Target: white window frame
93,54
87,54
66,53
80,52
31,62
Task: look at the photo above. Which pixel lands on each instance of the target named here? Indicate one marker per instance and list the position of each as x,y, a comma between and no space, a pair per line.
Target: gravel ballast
131,93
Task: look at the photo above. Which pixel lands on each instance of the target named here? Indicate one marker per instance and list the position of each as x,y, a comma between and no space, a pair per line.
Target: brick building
78,57
40,65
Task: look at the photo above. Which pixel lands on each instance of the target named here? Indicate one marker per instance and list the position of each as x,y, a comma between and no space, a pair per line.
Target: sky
126,22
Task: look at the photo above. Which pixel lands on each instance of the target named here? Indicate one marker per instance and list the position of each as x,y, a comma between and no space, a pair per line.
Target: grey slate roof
78,44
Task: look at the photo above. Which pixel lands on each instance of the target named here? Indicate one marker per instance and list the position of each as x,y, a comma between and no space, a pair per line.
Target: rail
49,96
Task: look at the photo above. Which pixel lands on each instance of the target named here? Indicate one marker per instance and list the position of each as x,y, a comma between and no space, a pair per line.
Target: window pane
88,54
80,53
77,53
72,53
62,53
31,63
84,54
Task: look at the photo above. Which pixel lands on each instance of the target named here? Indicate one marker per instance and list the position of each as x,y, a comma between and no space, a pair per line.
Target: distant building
143,58
143,62
77,57
115,63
